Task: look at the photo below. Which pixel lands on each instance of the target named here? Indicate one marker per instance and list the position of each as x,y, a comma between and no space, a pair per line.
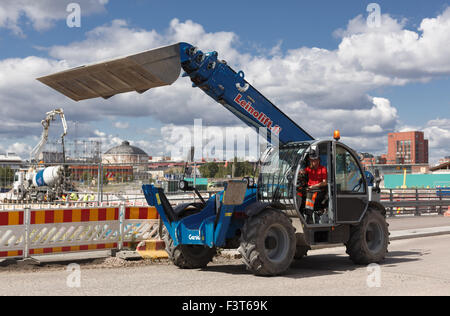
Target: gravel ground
104,263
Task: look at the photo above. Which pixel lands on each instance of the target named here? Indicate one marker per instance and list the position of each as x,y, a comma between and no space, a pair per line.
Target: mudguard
256,208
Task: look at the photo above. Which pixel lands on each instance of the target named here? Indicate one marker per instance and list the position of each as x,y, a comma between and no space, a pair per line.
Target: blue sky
259,26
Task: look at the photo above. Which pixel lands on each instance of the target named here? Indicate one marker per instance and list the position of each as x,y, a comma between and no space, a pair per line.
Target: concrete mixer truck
38,185
41,184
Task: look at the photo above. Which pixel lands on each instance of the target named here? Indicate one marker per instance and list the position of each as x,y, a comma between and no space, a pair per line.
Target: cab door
351,197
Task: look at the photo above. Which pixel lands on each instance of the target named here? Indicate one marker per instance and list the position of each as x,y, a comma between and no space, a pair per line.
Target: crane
50,116
42,184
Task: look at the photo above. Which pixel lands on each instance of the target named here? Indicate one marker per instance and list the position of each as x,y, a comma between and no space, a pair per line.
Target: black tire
188,256
369,240
301,252
268,243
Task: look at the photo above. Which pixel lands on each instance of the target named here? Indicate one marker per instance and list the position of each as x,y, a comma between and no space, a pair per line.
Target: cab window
349,178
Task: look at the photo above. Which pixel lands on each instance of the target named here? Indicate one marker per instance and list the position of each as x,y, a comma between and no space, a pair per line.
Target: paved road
403,223
413,267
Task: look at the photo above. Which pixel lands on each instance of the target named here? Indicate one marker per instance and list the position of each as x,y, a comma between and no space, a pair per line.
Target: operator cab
312,184
342,198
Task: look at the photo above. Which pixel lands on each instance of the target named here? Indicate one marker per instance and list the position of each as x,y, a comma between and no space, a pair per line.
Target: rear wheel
369,240
188,256
268,243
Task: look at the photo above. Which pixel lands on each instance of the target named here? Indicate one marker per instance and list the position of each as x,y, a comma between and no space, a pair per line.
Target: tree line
237,169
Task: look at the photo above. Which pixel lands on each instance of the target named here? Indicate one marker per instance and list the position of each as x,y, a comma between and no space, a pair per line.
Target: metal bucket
140,72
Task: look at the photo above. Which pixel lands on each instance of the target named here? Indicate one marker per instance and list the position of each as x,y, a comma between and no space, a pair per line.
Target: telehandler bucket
140,72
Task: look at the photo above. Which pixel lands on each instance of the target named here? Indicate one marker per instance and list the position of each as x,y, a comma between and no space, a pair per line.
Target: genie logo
192,237
260,116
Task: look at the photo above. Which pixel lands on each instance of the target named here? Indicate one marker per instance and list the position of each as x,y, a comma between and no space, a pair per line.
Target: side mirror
377,180
184,186
250,182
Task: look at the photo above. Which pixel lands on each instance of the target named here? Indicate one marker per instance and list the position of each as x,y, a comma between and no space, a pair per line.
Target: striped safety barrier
12,234
152,249
40,232
45,251
11,218
141,213
11,254
74,216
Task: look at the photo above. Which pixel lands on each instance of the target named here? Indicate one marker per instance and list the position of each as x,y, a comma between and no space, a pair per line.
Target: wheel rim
276,243
374,237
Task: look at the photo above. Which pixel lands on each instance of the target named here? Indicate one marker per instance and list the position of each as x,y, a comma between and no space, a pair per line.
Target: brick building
407,148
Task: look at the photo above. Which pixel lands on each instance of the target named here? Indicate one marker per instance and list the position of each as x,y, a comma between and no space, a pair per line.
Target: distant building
382,160
156,174
158,159
126,155
10,160
407,148
441,168
444,160
400,168
367,159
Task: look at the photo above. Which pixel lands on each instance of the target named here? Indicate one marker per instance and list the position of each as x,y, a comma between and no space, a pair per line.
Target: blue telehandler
254,216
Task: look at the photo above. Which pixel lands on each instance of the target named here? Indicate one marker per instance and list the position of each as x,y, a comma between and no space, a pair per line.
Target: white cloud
359,25
320,89
21,149
438,133
400,54
42,14
121,125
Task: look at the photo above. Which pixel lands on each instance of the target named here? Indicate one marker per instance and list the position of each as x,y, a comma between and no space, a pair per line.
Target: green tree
209,170
243,169
6,176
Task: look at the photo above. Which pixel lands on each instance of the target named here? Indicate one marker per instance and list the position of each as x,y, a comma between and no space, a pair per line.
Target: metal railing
415,201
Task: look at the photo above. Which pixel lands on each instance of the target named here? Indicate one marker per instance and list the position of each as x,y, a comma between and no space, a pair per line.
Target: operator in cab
317,184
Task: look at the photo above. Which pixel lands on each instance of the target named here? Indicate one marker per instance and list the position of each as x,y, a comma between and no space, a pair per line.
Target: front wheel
369,240
188,256
268,243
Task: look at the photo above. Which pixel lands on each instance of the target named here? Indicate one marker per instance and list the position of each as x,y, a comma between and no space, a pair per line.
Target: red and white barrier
36,232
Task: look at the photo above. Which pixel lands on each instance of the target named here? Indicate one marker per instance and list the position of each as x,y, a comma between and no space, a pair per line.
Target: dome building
125,154
125,162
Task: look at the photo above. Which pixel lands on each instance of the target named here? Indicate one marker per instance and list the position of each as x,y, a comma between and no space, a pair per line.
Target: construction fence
99,182
28,232
127,221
